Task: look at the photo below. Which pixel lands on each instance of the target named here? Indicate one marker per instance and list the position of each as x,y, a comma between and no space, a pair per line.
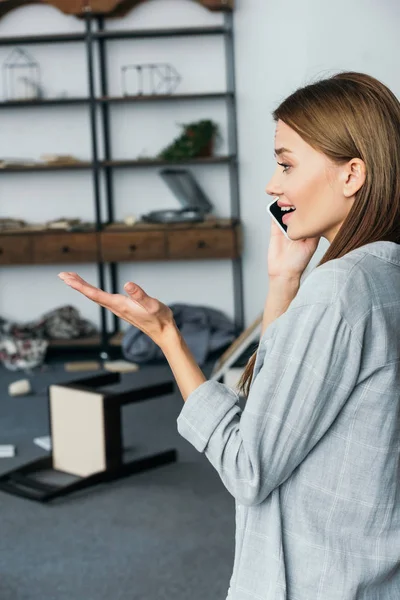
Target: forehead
284,132
286,137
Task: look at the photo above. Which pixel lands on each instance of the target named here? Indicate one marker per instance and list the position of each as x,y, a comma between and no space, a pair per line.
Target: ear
354,174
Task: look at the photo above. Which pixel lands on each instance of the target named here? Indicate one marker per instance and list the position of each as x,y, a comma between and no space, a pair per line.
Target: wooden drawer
131,246
15,249
202,243
51,248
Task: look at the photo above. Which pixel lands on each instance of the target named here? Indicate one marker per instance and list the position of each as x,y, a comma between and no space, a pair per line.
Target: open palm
144,312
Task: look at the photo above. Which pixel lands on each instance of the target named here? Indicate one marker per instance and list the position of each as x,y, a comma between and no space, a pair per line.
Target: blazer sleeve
310,368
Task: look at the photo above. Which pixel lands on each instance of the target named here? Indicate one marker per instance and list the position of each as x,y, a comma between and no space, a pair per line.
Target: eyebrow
280,151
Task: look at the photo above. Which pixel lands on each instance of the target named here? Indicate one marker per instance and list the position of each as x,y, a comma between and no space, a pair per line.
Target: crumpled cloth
24,346
204,330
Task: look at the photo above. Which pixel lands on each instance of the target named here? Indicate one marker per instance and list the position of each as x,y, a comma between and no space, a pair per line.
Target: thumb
135,291
139,297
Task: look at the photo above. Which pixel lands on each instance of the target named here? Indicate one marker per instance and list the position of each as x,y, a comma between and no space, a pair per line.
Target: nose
273,187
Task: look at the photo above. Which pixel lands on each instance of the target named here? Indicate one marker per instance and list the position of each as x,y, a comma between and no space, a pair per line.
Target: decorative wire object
21,76
149,79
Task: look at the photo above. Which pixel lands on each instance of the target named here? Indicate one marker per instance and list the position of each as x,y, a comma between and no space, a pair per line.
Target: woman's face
310,182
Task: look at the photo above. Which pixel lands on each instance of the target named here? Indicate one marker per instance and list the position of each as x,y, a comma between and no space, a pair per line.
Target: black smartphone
277,214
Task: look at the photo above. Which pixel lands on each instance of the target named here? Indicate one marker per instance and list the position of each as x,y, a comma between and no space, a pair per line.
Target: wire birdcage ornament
21,76
149,79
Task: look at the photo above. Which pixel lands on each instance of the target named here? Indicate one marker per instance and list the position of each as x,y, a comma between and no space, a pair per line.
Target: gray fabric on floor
165,534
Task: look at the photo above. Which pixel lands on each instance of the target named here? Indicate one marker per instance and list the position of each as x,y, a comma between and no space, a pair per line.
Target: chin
295,236
298,234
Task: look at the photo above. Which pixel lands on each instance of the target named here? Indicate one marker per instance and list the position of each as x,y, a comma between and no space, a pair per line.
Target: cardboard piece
249,336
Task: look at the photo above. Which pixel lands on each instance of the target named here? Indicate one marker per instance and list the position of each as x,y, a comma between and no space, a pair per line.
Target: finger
274,227
136,293
139,297
132,289
275,230
90,291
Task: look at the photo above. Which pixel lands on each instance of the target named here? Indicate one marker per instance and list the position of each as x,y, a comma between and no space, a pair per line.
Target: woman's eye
285,166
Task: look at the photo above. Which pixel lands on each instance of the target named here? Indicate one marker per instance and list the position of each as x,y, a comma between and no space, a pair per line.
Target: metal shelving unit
96,34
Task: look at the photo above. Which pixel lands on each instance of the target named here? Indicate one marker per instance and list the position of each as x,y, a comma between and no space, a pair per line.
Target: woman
313,461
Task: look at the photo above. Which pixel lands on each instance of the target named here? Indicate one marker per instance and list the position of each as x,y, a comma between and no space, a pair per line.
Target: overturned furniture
86,434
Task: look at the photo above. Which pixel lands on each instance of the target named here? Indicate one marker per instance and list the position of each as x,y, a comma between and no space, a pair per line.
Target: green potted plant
197,140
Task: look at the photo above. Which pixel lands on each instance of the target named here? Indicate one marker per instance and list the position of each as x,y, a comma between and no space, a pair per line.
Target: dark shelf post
95,169
233,165
108,172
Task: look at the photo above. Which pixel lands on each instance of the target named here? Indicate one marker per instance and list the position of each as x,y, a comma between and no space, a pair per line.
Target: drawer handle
133,247
1,250
65,249
201,244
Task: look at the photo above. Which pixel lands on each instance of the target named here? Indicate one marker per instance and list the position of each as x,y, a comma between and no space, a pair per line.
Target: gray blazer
313,461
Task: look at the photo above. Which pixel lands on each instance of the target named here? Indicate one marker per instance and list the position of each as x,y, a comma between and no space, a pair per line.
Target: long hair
351,115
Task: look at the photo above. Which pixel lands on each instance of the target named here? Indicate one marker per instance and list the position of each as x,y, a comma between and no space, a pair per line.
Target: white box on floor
78,430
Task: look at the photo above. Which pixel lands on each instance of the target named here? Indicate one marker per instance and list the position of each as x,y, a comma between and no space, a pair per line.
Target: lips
284,204
287,216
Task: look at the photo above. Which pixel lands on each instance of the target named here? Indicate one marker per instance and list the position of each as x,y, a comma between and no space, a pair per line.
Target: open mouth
288,211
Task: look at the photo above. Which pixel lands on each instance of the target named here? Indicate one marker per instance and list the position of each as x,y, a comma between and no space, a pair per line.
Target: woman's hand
287,259
147,314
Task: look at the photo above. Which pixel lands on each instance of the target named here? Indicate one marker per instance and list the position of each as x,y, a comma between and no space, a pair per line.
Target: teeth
287,208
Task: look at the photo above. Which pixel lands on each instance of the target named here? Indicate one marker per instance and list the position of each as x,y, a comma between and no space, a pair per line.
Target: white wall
279,46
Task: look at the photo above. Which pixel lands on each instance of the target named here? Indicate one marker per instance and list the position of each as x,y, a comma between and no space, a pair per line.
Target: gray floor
166,534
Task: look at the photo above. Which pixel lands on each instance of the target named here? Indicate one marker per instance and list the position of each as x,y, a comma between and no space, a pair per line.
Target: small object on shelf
149,79
120,366
195,203
130,220
196,140
21,76
184,215
43,442
37,90
85,365
64,223
7,450
59,159
7,224
186,189
17,162
22,387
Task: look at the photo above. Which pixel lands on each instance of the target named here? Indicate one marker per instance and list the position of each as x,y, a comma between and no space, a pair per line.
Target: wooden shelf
37,103
155,162
117,8
60,38
158,33
166,97
51,38
209,223
132,163
46,167
213,239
